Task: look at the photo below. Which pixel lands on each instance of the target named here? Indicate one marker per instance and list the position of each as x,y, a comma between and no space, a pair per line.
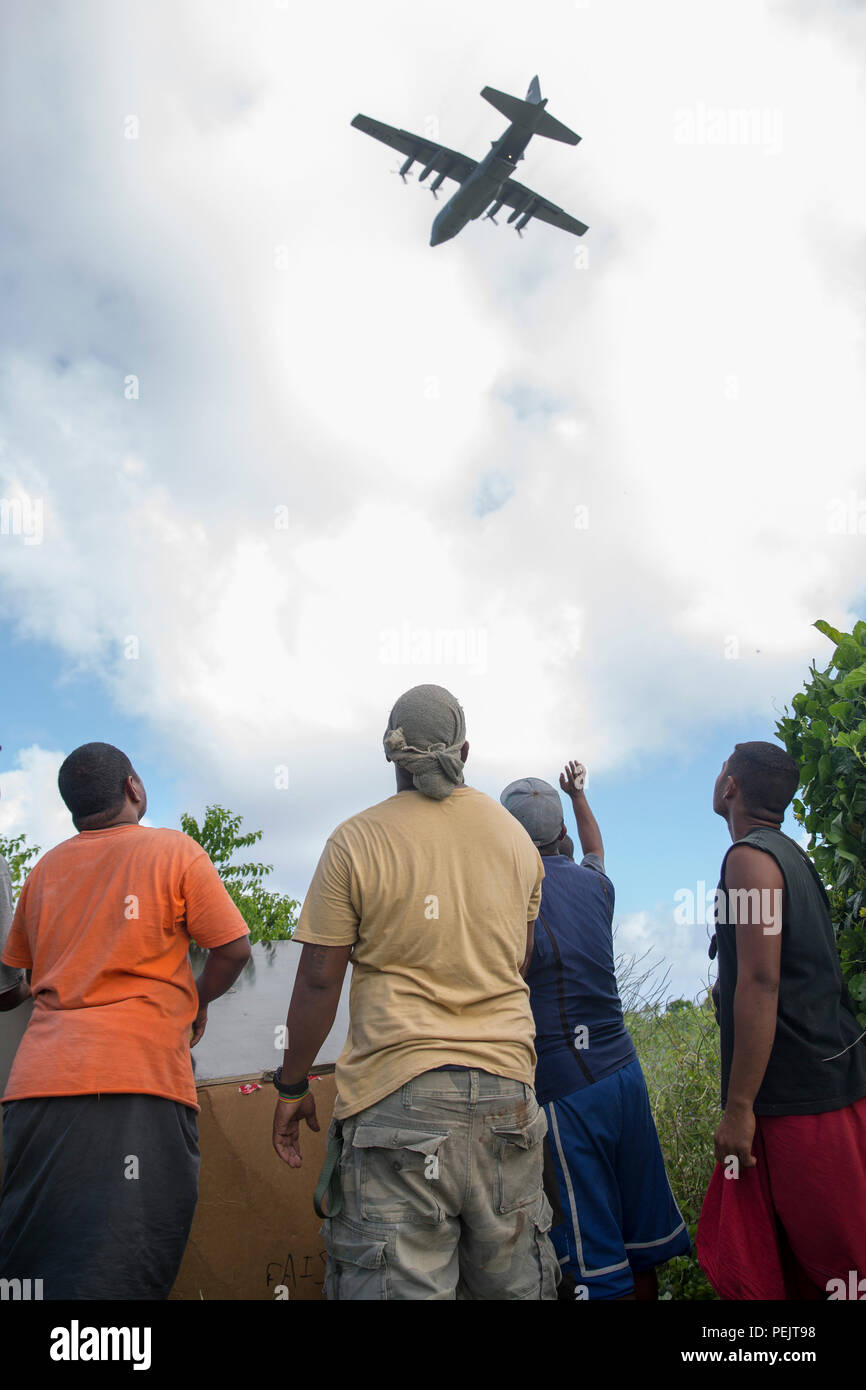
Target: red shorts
797,1220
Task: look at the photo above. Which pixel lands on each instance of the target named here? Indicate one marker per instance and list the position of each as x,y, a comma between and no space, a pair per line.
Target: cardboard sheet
255,1227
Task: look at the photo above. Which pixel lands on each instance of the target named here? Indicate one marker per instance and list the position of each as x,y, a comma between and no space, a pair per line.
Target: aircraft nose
440,231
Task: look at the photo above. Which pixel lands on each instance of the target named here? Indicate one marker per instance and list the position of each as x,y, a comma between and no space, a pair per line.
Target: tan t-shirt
435,896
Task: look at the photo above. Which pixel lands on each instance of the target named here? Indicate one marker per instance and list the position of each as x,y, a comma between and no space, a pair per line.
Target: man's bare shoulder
750,865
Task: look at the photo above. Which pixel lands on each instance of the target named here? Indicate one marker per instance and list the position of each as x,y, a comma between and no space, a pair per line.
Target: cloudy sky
268,458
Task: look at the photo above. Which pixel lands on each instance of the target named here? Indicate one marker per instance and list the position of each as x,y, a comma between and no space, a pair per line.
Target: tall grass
677,1044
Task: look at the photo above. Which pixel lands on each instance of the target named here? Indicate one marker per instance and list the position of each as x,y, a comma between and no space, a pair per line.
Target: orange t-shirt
104,923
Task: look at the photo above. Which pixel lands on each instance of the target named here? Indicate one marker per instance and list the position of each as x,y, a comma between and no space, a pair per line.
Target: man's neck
406,784
739,825
109,824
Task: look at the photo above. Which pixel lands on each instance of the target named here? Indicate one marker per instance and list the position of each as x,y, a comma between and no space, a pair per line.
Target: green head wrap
425,733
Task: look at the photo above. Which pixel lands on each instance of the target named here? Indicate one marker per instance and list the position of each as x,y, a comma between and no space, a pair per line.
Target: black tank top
816,1063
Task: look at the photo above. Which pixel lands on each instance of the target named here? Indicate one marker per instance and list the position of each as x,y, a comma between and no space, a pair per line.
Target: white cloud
30,802
249,257
672,957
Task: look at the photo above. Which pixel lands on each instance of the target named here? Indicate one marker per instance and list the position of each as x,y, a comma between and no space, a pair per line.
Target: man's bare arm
311,1016
221,969
571,782
313,1007
756,883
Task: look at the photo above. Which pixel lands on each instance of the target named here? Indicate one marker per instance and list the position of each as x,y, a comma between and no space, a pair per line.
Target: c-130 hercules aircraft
488,183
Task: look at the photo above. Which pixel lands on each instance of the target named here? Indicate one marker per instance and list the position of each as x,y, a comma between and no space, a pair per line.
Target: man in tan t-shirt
432,894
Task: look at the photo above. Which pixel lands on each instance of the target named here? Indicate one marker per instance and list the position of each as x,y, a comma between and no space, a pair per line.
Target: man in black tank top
785,1213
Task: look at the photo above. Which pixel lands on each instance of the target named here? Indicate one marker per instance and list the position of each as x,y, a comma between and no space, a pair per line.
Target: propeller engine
523,212
438,182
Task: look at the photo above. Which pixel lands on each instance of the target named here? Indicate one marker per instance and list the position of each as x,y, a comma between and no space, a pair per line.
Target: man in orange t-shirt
100,1135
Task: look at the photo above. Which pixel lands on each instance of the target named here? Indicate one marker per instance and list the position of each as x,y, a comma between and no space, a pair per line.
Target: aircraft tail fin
530,113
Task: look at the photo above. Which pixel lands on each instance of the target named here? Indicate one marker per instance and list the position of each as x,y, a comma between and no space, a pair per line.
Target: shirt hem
15,964
556,1094
768,1109
31,1094
317,940
509,1073
224,939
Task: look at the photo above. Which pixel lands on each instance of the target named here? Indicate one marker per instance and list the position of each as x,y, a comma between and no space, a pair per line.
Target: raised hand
571,780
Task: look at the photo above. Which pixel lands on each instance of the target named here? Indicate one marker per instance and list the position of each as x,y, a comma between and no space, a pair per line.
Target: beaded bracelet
293,1100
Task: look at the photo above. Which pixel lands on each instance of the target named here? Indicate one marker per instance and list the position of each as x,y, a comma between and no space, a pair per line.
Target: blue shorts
619,1214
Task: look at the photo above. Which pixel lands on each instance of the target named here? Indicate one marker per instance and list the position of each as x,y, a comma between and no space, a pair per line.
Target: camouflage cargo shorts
442,1194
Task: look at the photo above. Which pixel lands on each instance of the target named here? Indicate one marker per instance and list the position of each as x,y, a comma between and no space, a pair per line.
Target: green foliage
826,734
269,916
18,854
679,1053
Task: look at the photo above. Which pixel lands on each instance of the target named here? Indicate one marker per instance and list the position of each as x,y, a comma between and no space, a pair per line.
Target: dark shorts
620,1216
98,1194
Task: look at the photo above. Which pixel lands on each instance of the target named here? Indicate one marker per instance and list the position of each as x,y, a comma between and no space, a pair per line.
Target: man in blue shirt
620,1217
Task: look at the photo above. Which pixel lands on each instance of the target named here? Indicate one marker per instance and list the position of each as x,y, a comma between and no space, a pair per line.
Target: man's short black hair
92,779
767,776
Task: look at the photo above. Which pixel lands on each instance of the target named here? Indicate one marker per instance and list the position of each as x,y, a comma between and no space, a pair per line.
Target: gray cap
537,806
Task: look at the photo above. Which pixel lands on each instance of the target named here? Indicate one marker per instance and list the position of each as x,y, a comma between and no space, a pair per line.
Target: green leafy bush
826,735
18,854
269,916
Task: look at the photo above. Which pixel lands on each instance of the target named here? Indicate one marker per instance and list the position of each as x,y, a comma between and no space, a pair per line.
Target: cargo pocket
519,1162
399,1175
549,1270
357,1267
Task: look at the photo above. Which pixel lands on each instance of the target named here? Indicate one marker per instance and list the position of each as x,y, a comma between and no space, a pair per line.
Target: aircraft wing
426,152
515,195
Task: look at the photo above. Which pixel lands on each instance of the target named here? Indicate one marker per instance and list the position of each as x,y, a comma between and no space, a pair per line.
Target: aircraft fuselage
480,189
